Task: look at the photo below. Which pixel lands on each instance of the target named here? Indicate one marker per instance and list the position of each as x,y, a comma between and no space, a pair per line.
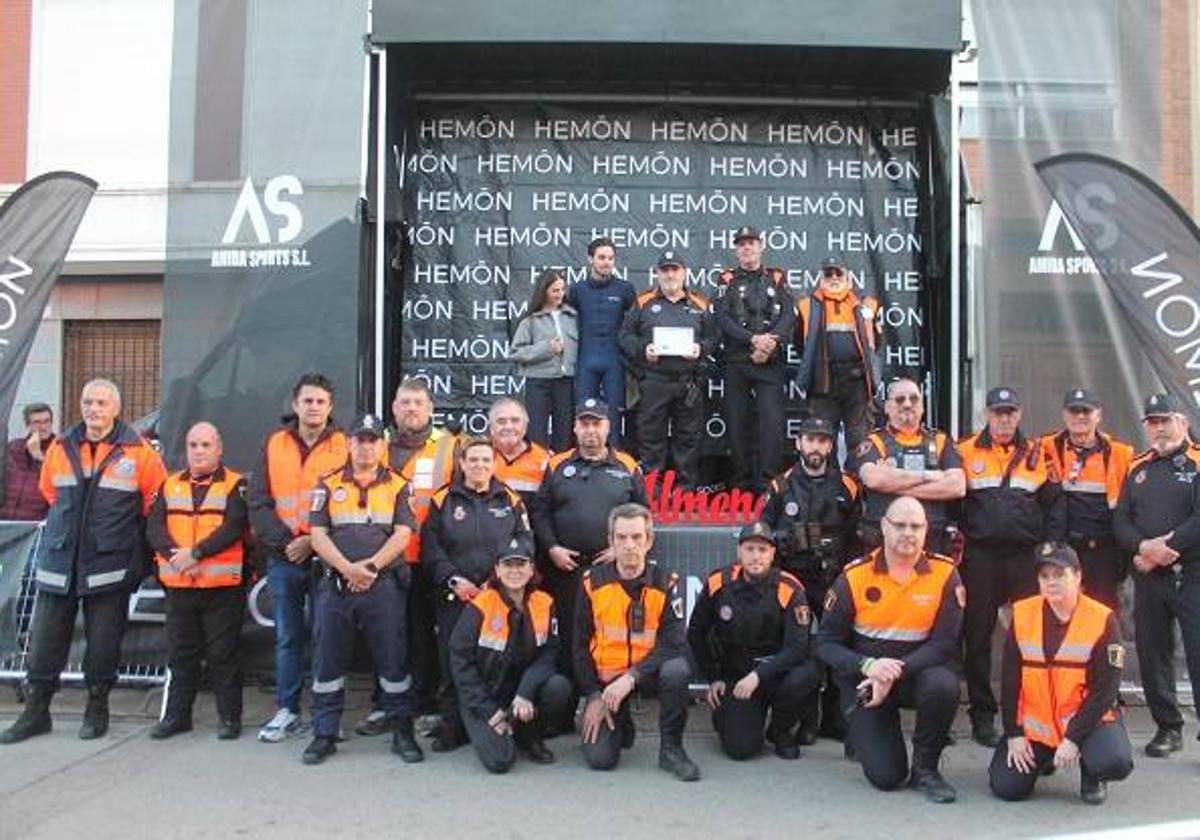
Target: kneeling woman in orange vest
1061,680
502,658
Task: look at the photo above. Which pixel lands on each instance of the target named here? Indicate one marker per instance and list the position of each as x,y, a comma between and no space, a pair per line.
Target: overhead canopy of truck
695,46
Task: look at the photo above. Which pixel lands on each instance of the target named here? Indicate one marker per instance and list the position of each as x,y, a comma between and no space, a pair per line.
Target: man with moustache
23,463
1158,522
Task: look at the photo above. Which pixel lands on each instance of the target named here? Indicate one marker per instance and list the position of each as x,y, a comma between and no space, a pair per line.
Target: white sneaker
285,724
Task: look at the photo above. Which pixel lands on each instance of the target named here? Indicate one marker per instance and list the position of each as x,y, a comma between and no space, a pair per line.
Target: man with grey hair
100,478
629,633
520,463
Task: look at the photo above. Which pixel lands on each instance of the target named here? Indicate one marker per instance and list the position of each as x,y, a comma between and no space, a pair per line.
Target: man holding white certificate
665,337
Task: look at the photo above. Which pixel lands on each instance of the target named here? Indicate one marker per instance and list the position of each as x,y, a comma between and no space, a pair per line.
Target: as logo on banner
249,209
1087,202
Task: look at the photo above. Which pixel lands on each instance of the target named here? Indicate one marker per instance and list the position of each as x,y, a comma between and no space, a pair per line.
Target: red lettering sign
670,504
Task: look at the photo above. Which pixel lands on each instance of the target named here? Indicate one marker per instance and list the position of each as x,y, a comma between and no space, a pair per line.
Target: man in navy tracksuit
601,301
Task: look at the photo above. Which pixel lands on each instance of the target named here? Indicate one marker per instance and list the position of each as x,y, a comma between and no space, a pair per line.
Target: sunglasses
901,399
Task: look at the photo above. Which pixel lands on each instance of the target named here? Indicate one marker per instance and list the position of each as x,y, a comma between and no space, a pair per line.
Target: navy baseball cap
746,232
366,425
1161,405
833,262
1055,554
816,426
757,531
516,547
669,258
1003,397
1080,398
592,407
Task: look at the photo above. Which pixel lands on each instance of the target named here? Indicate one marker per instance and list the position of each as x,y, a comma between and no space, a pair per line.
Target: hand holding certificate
675,341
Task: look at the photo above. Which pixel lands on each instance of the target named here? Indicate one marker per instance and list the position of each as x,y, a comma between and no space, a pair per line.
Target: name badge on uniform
914,461
500,512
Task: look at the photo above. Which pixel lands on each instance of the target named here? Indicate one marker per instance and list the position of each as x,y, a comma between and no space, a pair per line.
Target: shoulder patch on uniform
830,599
677,607
1116,655
803,616
960,595
318,499
864,448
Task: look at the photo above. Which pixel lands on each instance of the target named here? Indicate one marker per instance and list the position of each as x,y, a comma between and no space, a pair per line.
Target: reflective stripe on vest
890,611
426,471
1052,691
291,479
347,505
188,526
524,474
614,646
493,626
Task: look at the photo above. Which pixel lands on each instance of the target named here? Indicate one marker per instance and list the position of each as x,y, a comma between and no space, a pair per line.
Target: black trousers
664,401
823,707
1159,600
550,407
498,752
422,640
847,403
205,626
875,733
448,612
749,386
671,686
104,619
1103,570
1105,755
993,577
740,723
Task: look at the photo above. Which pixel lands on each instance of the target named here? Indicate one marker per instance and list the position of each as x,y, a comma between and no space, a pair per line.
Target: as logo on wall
251,212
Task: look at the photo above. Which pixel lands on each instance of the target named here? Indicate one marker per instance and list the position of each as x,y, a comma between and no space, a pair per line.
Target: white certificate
674,341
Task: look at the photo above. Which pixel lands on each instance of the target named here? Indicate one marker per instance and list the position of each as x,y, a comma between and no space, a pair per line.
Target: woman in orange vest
502,658
1060,685
197,529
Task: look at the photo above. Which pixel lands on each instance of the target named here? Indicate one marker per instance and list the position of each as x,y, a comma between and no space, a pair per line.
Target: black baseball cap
816,426
1003,397
1055,554
1161,405
365,425
516,547
833,262
592,407
746,232
670,258
1080,398
757,531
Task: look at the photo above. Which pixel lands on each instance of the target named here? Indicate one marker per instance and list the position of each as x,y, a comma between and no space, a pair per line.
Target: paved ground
126,785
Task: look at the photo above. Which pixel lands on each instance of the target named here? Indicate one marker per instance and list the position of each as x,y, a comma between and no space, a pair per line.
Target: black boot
95,714
34,719
928,780
319,749
529,741
173,723
1093,791
1164,742
229,729
787,744
983,730
673,759
403,742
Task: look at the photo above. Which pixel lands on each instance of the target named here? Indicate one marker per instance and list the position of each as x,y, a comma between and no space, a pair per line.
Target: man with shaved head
197,529
890,633
100,478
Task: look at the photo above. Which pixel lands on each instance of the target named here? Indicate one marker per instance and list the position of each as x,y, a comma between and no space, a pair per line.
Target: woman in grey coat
544,346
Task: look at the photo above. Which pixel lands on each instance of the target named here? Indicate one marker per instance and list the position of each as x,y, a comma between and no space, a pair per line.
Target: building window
125,351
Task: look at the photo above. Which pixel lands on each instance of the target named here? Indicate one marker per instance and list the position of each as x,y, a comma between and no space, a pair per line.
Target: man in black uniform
361,521
1158,521
813,511
890,632
672,390
756,318
907,458
749,635
570,511
469,520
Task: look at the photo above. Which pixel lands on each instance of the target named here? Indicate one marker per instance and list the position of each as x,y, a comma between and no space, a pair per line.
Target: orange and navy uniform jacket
281,488
1014,497
1161,495
427,468
360,519
626,626
1060,680
751,303
99,496
498,652
571,507
795,500
465,529
868,615
525,472
924,449
836,329
651,310
208,515
1091,483
741,625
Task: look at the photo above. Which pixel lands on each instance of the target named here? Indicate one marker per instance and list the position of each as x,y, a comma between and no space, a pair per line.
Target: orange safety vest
347,506
524,473
1052,690
493,630
988,467
1101,476
430,468
188,526
886,610
615,646
291,478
